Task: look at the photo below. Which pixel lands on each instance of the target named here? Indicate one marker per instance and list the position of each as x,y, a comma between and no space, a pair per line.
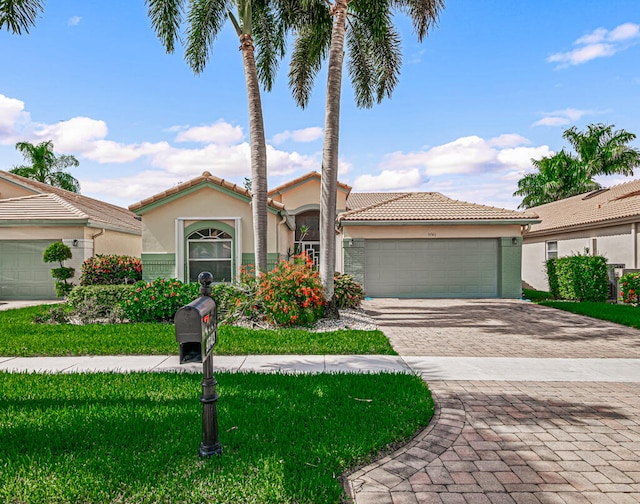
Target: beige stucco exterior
10,190
306,196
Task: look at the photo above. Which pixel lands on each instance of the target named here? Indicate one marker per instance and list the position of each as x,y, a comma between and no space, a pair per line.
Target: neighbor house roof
300,180
602,207
430,206
358,200
52,203
205,178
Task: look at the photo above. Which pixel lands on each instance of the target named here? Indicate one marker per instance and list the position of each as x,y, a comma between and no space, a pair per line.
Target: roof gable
311,176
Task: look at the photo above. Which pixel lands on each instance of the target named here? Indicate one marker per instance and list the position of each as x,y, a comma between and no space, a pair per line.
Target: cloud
563,117
389,180
13,120
600,43
77,134
74,21
221,133
302,135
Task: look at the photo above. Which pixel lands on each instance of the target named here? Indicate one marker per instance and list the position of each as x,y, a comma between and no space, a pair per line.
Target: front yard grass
618,313
134,438
19,336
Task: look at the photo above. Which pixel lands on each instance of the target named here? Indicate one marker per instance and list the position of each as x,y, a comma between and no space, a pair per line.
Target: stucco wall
11,190
307,195
114,242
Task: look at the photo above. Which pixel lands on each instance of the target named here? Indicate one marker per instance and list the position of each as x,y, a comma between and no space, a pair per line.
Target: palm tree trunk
258,155
330,153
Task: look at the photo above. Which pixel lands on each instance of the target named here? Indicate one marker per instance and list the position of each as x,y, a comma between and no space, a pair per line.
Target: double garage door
23,274
436,268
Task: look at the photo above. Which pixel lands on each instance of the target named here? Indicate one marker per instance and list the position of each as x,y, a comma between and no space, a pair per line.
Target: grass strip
618,313
20,337
134,438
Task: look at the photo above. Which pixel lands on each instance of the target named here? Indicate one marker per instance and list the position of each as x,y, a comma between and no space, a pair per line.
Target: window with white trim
552,250
209,250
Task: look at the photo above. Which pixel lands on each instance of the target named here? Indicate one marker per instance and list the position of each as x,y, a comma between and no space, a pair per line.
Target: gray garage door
23,274
455,268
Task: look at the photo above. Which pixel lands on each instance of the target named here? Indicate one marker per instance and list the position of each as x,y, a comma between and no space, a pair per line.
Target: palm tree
44,166
18,15
374,57
205,19
599,151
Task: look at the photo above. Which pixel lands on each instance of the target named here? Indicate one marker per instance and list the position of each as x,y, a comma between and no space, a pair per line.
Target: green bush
102,298
111,270
630,287
582,278
348,292
59,252
158,301
552,276
291,294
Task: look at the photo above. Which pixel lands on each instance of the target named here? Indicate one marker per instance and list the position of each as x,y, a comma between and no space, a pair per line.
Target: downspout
93,240
634,246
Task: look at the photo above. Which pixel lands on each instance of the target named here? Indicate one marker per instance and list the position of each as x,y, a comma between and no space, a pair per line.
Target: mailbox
196,329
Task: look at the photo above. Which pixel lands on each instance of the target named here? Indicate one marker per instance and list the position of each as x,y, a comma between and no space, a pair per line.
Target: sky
494,85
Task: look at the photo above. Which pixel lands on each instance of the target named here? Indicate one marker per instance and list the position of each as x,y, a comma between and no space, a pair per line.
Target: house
33,215
395,244
603,222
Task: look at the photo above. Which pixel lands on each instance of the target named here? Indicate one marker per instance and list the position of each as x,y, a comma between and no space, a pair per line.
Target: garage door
23,274
455,268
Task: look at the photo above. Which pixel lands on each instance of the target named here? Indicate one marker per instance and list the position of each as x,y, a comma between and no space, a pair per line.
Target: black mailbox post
196,331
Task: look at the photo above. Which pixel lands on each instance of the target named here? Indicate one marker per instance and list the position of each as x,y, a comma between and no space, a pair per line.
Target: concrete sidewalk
430,368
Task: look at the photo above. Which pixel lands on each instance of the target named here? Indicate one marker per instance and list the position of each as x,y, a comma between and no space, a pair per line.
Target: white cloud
13,120
74,21
77,134
304,135
221,133
563,117
600,43
509,140
389,180
520,157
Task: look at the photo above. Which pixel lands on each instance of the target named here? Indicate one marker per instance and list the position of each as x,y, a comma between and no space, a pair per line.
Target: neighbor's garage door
437,268
23,274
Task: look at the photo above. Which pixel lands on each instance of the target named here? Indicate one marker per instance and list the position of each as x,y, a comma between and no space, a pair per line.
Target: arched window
209,250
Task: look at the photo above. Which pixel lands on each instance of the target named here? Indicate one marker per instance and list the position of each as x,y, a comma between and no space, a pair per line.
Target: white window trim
546,249
180,239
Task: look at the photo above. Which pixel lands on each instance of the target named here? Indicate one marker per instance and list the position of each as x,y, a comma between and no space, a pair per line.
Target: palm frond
269,35
204,21
19,15
166,17
310,49
423,13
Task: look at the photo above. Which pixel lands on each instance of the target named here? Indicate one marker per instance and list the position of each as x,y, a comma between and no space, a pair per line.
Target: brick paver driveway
511,441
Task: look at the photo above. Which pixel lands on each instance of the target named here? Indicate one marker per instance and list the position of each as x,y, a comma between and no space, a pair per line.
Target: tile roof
303,178
364,199
73,205
606,205
205,177
430,206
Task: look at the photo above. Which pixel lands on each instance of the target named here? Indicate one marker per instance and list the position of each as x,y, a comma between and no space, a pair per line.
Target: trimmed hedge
111,270
579,278
102,298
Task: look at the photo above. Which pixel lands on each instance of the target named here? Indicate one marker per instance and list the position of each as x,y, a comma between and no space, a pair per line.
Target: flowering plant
629,288
347,291
111,269
291,294
158,301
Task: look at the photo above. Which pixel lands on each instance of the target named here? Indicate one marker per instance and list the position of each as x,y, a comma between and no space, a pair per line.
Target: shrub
629,288
158,301
291,294
59,252
582,278
348,292
110,270
103,299
552,276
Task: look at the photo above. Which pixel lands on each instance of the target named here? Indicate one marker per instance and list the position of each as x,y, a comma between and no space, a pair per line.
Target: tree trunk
330,155
258,155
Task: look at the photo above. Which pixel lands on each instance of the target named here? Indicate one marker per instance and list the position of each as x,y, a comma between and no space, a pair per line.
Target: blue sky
494,85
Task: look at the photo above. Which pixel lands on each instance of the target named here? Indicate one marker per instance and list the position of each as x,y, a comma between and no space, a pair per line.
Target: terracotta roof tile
98,212
429,206
618,202
364,199
205,177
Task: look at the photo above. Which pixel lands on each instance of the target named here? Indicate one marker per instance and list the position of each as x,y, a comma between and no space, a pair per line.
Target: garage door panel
23,273
431,268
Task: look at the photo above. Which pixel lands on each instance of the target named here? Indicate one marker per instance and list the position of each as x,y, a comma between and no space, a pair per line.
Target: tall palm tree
599,151
19,15
257,21
44,166
374,57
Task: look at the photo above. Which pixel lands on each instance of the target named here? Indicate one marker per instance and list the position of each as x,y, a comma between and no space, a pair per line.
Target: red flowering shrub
110,270
158,301
348,292
291,294
629,288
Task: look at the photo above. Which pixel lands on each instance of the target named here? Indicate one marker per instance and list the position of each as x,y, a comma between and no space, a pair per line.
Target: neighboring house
603,222
33,215
395,244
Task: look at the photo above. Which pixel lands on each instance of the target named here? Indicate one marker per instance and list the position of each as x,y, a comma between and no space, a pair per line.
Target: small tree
59,252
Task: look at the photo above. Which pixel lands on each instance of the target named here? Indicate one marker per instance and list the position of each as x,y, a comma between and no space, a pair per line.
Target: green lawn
19,336
618,313
133,438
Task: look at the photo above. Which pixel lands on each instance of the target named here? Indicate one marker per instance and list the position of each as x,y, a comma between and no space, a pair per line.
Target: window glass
210,250
552,250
